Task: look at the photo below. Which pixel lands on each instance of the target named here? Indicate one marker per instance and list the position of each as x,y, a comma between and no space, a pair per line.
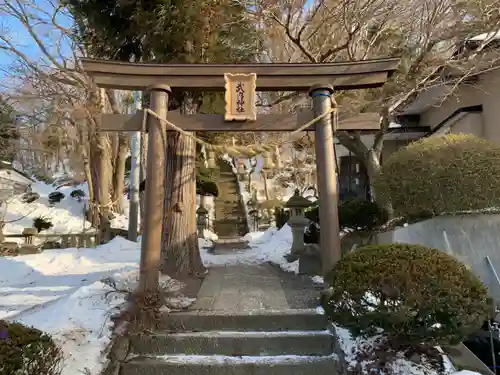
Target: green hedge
413,293
27,351
356,214
437,175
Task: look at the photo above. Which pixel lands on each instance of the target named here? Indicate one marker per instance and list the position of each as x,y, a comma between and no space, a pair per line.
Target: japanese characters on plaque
240,97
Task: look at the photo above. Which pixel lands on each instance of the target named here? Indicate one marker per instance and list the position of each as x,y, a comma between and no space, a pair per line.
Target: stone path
243,288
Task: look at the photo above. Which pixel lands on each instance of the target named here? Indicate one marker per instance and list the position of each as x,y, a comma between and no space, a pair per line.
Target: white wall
469,238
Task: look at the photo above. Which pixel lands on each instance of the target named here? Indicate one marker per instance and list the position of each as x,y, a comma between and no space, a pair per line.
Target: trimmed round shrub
356,214
438,175
360,214
42,223
28,351
413,293
77,194
30,197
56,197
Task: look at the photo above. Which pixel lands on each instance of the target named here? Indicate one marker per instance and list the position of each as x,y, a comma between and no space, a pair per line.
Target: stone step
230,230
230,218
222,248
220,365
259,320
306,343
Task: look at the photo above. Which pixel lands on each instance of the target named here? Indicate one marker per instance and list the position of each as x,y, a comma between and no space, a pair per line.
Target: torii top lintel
270,77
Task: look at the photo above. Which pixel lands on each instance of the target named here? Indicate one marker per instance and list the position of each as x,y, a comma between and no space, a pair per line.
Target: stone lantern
211,163
201,220
254,214
278,164
268,163
241,168
298,222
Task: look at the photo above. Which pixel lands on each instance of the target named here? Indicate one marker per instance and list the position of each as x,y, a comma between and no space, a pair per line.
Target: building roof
5,165
433,95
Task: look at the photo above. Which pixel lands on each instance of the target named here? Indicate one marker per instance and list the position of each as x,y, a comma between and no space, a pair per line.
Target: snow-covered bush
30,197
27,351
413,293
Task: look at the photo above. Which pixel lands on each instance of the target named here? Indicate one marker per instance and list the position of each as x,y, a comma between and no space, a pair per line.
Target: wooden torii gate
317,79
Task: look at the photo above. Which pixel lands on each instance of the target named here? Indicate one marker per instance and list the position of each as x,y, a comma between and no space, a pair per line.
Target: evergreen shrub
413,293
441,175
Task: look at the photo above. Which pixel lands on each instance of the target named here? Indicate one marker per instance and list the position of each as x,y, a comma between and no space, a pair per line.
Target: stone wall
470,238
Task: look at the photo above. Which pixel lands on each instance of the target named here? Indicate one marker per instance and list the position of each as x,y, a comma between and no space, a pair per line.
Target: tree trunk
372,163
119,173
266,190
103,183
88,177
181,253
143,171
180,242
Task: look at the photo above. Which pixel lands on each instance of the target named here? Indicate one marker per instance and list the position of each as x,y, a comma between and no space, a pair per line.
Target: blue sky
18,35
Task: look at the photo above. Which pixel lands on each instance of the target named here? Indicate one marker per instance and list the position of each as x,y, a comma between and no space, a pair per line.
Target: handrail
492,268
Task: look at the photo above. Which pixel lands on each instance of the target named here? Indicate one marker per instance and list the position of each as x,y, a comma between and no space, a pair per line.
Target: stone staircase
263,342
230,218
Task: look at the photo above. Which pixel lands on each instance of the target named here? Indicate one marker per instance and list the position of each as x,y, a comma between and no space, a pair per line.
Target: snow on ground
268,246
67,216
59,292
354,346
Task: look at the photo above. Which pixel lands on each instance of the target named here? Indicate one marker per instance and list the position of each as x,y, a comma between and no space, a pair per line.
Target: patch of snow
67,216
253,333
258,238
318,279
487,36
320,310
209,235
351,346
60,292
276,246
221,359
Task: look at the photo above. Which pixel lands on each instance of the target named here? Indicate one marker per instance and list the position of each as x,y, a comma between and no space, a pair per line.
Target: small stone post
29,234
297,205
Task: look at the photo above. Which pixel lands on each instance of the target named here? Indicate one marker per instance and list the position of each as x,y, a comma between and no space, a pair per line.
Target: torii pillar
327,178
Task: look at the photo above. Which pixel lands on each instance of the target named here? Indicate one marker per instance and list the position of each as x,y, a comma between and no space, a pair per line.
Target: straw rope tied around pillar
250,150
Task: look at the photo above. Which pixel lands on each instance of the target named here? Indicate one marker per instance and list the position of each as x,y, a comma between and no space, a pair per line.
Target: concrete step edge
236,343
271,312
243,334
221,360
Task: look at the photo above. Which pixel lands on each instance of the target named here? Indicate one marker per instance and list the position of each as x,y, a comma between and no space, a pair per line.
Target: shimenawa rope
250,150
